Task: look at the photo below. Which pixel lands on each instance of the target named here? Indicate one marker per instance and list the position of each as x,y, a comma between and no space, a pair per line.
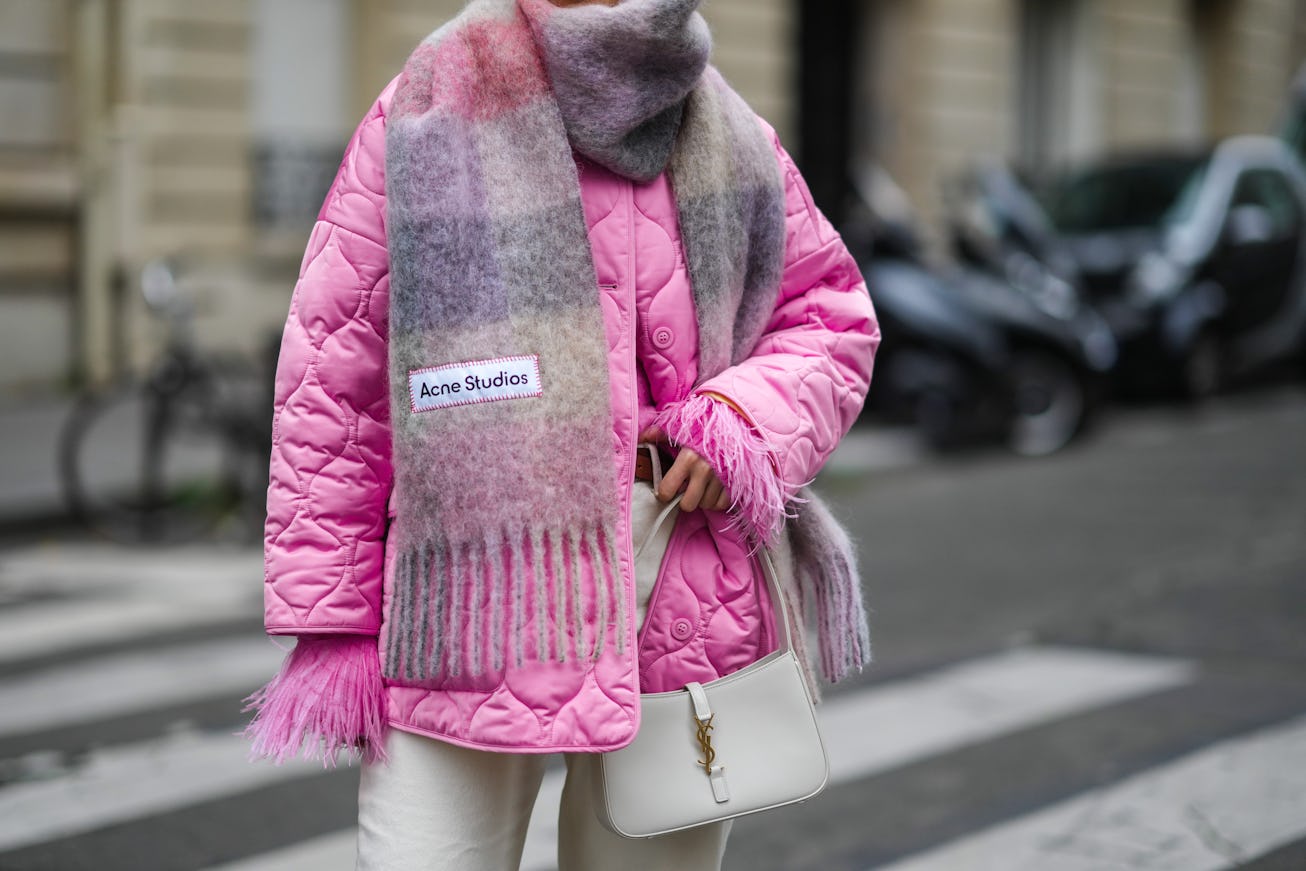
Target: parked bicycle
180,452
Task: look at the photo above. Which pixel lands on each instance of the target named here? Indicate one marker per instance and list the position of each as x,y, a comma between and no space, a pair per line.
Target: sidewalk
31,492
29,472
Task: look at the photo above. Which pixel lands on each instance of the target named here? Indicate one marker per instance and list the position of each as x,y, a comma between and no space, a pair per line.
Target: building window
303,73
1055,115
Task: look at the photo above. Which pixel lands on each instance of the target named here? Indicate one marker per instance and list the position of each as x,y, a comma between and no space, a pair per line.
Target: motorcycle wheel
936,417
1202,371
1050,403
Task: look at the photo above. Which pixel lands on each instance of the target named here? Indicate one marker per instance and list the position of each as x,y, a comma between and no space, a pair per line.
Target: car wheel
937,420
1049,400
1202,373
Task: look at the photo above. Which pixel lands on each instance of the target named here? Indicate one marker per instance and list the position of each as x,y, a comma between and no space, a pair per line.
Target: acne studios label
474,381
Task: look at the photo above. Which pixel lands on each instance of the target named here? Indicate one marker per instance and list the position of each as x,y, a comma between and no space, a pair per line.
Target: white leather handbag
744,743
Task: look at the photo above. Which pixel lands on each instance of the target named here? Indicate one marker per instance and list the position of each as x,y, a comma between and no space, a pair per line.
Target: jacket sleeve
806,380
330,473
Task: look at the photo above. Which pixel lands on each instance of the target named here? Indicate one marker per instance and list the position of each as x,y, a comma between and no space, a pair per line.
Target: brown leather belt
644,465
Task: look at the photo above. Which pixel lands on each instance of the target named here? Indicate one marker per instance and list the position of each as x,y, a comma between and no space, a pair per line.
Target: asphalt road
1171,532
1093,660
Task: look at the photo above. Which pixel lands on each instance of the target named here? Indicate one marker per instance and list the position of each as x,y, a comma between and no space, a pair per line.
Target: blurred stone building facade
133,129
1047,82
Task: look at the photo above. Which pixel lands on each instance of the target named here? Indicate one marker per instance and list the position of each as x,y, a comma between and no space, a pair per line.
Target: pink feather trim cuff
327,698
738,454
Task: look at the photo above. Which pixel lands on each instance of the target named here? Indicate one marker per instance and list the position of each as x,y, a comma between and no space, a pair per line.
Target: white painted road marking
1210,810
882,728
137,681
134,781
122,594
879,728
37,630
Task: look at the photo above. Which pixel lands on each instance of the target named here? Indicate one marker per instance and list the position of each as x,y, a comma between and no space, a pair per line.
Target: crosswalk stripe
133,781
117,595
48,628
189,570
122,683
1211,810
972,701
881,727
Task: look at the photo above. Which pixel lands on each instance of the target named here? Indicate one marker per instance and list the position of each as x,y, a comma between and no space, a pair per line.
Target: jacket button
681,629
663,337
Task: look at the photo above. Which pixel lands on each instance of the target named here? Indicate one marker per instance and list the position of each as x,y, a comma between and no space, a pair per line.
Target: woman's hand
703,489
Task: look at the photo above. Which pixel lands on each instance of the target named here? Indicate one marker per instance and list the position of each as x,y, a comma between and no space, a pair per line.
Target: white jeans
440,807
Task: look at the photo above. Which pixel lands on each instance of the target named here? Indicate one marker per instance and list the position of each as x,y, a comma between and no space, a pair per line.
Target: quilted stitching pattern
330,473
330,483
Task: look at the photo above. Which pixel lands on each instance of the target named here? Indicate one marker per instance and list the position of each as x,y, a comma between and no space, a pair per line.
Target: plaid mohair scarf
498,364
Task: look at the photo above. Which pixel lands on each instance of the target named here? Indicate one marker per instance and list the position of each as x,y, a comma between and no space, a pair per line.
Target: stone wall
38,191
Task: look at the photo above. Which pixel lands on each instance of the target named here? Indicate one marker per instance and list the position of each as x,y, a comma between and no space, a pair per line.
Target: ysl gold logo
705,743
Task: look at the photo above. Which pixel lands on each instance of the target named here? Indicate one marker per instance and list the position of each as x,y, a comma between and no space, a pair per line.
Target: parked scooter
967,355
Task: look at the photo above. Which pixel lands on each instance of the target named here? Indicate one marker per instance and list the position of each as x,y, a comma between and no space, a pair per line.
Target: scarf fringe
460,610
327,699
791,589
825,562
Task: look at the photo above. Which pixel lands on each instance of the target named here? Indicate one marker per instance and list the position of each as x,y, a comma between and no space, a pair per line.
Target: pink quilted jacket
328,570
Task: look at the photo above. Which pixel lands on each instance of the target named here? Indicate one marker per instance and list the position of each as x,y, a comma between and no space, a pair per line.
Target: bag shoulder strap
779,607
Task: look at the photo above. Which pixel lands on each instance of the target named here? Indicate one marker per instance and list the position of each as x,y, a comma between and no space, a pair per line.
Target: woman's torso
705,618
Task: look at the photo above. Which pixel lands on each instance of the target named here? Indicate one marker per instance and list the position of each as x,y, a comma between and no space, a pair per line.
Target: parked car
1197,259
967,356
